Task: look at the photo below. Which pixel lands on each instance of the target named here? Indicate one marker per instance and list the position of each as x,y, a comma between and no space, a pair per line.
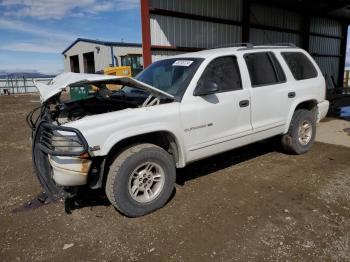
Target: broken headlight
62,141
66,142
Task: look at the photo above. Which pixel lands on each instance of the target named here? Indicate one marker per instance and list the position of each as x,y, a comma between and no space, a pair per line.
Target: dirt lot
254,203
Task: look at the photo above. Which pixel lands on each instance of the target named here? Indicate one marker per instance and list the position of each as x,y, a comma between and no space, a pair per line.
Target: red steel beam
146,33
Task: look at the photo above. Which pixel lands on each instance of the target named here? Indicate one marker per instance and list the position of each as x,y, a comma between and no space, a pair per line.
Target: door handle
244,103
291,94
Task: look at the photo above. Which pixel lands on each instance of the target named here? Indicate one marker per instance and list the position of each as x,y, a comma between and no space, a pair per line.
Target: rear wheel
141,180
301,134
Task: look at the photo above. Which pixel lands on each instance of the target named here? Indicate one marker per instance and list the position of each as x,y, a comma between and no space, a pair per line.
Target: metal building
90,56
175,26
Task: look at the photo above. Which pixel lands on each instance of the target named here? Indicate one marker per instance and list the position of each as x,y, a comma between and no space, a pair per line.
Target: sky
33,33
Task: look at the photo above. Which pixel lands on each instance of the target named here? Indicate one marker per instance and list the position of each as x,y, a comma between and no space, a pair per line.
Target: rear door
270,101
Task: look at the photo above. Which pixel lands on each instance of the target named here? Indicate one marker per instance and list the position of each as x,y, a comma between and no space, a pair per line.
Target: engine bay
63,109
70,111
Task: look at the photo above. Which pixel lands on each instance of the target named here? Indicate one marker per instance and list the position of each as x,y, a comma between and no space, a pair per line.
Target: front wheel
141,180
302,132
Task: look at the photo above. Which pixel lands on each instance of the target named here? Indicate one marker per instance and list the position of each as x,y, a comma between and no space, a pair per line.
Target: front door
211,122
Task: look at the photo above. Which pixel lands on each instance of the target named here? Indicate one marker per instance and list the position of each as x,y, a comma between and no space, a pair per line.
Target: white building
90,56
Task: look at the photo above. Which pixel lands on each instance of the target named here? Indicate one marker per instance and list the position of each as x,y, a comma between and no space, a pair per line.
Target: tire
130,170
294,141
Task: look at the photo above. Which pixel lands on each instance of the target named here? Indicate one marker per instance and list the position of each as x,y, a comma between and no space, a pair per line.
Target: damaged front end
60,154
62,158
36,120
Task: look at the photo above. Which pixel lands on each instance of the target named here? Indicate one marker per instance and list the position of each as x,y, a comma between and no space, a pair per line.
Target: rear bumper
322,110
69,171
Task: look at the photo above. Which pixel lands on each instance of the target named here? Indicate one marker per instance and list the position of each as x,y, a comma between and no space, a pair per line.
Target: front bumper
69,171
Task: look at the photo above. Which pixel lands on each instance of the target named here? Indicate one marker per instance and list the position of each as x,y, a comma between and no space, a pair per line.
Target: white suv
178,110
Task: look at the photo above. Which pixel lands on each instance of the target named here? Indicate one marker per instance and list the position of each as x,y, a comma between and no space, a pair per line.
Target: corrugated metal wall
226,9
319,46
329,65
267,24
326,45
274,17
260,36
325,26
183,32
173,31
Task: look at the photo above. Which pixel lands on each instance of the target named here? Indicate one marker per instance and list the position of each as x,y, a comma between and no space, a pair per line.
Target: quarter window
264,69
300,66
225,72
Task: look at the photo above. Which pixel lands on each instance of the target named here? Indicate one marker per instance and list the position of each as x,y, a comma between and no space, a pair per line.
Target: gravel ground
250,204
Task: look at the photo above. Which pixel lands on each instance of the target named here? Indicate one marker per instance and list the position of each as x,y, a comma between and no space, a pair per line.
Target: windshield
170,75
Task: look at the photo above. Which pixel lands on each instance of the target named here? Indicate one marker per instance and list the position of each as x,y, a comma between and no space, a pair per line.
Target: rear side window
300,66
225,72
264,69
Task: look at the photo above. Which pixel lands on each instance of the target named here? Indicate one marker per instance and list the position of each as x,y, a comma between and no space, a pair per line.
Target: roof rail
281,44
270,46
248,45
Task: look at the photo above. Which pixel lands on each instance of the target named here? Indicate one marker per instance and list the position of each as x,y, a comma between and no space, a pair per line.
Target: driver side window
224,72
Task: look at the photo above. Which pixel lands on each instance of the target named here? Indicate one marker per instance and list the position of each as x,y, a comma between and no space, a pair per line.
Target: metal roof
106,43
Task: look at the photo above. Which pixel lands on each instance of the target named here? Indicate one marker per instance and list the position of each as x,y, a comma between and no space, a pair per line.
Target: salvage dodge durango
178,110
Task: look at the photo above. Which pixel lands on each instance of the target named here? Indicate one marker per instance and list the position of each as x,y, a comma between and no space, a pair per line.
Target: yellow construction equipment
117,71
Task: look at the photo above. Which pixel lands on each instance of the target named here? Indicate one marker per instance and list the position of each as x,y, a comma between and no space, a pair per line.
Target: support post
146,33
246,21
343,53
306,32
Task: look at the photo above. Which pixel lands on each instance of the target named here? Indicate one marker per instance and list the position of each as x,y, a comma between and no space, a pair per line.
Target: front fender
121,135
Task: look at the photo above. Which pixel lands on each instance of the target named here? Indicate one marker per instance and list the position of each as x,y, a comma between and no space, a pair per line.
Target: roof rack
251,46
281,44
247,45
270,46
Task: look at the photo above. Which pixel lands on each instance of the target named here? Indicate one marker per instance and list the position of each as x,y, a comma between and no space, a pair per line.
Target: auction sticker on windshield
182,63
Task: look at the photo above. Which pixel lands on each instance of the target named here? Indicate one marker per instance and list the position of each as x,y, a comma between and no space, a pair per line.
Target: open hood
60,82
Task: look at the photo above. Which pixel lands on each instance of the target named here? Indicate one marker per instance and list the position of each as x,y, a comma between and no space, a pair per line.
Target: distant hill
6,74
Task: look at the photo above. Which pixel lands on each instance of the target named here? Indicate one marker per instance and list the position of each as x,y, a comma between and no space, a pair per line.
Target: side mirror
206,88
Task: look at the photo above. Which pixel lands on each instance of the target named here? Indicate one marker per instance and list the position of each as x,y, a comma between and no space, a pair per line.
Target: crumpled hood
60,82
